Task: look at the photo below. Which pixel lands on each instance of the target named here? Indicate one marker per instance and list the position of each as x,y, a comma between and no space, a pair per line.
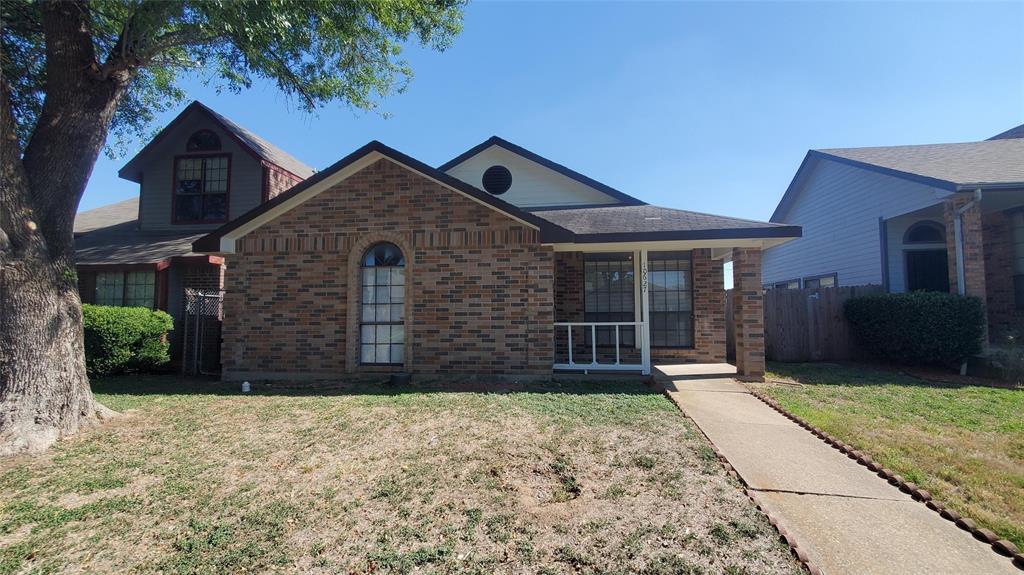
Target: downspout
958,233
958,236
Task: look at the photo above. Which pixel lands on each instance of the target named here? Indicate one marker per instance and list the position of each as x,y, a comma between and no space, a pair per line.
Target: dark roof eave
772,232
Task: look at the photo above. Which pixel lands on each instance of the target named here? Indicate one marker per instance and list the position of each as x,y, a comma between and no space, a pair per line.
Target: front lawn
195,478
965,445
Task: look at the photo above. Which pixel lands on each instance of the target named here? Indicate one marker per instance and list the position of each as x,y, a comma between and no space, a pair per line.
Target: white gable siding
533,185
838,208
158,175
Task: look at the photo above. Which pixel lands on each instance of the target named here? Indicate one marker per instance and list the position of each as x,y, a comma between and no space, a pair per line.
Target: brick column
973,245
748,313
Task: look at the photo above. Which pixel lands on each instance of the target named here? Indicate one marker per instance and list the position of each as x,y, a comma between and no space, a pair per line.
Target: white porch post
645,303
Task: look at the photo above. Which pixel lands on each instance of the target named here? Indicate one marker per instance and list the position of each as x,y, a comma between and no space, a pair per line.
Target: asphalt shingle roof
262,147
106,216
1017,132
646,219
989,162
124,244
110,235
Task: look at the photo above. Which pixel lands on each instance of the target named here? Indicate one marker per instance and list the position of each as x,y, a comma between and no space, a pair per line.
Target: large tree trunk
44,391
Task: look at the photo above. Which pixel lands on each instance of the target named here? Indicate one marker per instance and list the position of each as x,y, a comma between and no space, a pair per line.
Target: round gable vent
497,180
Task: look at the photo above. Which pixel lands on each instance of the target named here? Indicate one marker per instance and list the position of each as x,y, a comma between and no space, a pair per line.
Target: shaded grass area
197,479
963,444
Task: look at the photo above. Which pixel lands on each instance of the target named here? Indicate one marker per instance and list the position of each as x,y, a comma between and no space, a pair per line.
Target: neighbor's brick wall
1002,311
205,277
973,234
479,284
276,181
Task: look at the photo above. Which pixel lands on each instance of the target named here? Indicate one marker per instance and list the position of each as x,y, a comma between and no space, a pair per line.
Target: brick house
499,261
940,217
200,171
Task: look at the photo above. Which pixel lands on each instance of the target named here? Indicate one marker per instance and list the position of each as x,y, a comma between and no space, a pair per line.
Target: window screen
609,296
670,283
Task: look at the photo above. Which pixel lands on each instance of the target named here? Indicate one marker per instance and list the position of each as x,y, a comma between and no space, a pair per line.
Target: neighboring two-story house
200,171
941,217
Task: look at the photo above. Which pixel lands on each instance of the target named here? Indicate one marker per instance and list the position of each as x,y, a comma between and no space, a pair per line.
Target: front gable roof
621,197
222,239
990,164
260,148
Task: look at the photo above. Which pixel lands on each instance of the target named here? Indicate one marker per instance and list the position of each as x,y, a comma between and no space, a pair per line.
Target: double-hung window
201,188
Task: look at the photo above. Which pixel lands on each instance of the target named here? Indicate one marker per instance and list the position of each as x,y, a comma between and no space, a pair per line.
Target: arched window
203,141
925,232
382,306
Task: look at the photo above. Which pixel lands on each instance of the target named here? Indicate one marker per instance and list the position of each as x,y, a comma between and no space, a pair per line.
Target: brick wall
479,284
709,311
1000,304
748,313
276,181
973,245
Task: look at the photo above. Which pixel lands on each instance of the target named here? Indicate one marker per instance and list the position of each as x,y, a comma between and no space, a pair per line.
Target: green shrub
118,339
919,327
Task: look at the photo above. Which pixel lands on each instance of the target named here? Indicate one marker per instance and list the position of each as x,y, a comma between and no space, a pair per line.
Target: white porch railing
640,334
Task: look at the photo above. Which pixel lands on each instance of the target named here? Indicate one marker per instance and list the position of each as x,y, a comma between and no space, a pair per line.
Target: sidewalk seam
784,535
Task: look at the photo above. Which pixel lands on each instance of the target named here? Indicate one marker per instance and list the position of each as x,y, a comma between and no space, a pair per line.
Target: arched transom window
382,306
925,232
203,141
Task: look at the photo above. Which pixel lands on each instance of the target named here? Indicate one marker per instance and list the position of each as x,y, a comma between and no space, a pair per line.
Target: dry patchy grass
553,479
964,444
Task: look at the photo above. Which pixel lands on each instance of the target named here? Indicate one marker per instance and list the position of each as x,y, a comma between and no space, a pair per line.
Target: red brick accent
748,313
276,181
479,284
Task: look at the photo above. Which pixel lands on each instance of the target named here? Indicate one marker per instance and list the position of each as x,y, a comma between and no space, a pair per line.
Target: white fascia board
227,242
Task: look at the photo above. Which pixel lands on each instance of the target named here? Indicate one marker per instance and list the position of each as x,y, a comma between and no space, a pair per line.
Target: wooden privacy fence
809,324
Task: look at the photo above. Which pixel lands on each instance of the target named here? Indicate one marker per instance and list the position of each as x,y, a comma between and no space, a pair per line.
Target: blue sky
700,106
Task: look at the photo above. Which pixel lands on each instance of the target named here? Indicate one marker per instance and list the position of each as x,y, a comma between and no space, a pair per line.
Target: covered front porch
623,307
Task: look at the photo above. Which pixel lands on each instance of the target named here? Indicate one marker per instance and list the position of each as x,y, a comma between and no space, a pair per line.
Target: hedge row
119,339
919,327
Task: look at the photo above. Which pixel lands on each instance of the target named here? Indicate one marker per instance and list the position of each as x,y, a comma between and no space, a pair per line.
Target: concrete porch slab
694,369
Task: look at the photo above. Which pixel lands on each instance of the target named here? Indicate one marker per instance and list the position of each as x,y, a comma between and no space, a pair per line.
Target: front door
927,270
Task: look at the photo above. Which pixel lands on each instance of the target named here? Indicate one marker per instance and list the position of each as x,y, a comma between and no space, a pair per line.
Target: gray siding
839,207
157,177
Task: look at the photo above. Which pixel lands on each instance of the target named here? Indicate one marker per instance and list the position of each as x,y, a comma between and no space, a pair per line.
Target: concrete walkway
847,519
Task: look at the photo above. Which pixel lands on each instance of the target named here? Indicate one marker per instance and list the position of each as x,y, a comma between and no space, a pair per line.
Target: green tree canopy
316,51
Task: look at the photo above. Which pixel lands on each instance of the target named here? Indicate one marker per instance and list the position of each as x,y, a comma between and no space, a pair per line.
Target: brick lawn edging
1000,546
784,535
